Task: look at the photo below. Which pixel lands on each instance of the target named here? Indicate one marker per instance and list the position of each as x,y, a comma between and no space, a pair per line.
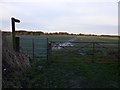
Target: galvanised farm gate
36,48
99,52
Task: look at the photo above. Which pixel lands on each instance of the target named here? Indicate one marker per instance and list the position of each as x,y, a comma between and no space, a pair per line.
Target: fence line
94,47
36,46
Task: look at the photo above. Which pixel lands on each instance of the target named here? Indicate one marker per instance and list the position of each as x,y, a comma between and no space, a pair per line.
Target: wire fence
99,52
70,51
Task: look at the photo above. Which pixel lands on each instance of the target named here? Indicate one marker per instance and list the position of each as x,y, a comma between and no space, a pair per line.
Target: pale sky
72,16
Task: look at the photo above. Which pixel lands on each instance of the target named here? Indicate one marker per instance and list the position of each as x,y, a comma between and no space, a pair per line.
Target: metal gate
100,52
37,48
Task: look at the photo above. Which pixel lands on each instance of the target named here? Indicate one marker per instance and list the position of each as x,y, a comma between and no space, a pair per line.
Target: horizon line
62,31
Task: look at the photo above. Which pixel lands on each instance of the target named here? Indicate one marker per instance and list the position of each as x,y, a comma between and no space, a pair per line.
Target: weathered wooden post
17,48
13,20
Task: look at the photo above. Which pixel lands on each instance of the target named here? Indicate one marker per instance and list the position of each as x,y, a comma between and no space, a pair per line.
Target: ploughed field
76,65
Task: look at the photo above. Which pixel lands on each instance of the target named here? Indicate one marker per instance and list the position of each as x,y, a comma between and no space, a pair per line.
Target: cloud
62,15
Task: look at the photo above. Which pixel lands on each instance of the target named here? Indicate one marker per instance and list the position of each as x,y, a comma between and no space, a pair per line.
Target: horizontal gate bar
89,42
27,38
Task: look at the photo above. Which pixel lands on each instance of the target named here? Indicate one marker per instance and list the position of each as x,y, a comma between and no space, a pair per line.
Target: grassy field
68,69
102,52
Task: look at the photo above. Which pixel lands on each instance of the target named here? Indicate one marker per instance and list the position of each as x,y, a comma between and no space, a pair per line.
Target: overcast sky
72,16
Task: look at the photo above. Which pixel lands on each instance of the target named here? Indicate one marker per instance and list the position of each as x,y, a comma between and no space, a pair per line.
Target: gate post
13,20
33,49
93,52
17,46
49,50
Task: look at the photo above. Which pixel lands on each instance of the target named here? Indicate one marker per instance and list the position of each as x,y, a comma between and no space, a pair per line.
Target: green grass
78,75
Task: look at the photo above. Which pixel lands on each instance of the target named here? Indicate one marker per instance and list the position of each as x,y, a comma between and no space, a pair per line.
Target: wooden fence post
13,20
13,32
17,46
